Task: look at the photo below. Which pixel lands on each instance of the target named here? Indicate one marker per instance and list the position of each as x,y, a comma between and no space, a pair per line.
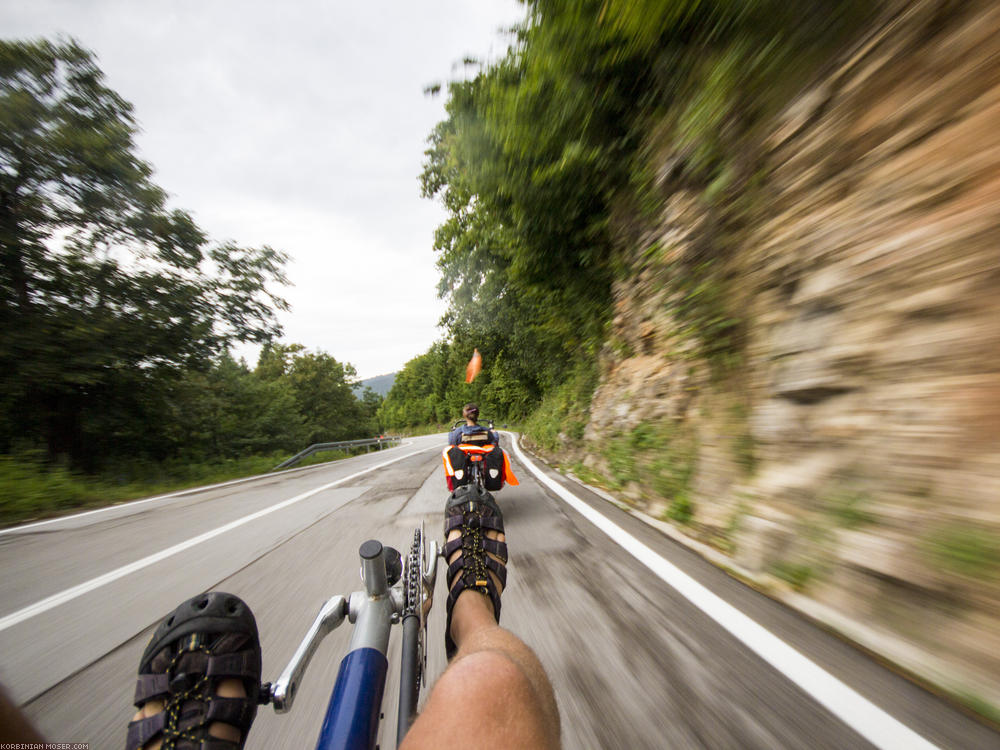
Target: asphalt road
634,663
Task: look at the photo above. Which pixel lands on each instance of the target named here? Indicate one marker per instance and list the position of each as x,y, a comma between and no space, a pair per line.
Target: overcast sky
300,125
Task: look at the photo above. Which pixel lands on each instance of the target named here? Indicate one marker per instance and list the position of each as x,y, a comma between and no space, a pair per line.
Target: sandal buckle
183,682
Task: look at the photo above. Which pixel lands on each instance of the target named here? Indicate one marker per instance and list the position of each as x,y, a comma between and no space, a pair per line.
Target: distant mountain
381,384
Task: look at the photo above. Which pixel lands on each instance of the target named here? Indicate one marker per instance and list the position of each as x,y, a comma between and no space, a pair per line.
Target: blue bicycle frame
352,715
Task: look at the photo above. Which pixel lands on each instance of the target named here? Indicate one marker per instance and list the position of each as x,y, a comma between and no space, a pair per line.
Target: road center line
72,593
856,711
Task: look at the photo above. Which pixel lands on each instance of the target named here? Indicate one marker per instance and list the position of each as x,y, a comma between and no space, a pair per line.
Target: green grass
702,307
681,509
30,488
965,549
850,509
980,706
589,476
798,574
727,539
621,461
745,452
564,411
661,459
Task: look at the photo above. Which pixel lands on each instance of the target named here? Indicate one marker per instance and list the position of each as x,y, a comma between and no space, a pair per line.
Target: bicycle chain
411,598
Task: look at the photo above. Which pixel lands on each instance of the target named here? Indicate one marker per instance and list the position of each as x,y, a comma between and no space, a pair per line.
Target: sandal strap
473,521
237,664
150,686
497,548
472,576
459,565
461,585
240,664
191,720
238,712
491,545
142,731
500,569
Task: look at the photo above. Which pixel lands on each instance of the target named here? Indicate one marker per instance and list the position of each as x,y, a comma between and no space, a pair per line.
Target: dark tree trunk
63,436
11,256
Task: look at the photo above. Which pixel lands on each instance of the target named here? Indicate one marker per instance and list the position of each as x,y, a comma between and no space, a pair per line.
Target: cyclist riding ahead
470,412
474,456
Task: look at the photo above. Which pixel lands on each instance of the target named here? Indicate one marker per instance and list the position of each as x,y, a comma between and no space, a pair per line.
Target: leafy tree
106,296
370,404
229,411
276,359
324,392
417,394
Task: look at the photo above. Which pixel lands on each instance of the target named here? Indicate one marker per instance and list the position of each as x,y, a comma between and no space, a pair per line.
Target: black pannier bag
493,469
460,464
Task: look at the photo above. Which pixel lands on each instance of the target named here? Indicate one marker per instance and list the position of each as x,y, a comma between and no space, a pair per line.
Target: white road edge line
72,593
178,493
864,717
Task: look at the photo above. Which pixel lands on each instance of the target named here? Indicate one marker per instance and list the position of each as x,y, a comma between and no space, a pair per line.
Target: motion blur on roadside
735,263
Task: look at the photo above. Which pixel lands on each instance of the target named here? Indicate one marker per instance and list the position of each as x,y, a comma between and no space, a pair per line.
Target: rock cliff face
849,453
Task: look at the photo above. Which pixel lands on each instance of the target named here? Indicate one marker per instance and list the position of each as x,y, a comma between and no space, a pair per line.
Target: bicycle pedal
264,696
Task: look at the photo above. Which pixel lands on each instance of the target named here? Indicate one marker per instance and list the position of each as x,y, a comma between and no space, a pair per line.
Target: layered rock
853,449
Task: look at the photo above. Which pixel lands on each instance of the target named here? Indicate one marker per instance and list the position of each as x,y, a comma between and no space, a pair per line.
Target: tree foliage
291,399
554,159
117,312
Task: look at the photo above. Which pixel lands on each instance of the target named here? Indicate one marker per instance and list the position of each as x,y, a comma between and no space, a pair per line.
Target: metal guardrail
381,442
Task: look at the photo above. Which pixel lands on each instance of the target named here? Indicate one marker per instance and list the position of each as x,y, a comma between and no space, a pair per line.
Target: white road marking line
72,593
857,712
178,493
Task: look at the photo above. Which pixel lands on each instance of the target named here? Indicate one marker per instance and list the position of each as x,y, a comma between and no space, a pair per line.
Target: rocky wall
851,456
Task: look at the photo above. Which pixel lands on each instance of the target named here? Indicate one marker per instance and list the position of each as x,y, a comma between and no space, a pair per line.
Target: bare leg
494,693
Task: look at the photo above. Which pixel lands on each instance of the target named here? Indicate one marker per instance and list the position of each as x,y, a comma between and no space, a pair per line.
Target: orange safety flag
508,473
475,365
